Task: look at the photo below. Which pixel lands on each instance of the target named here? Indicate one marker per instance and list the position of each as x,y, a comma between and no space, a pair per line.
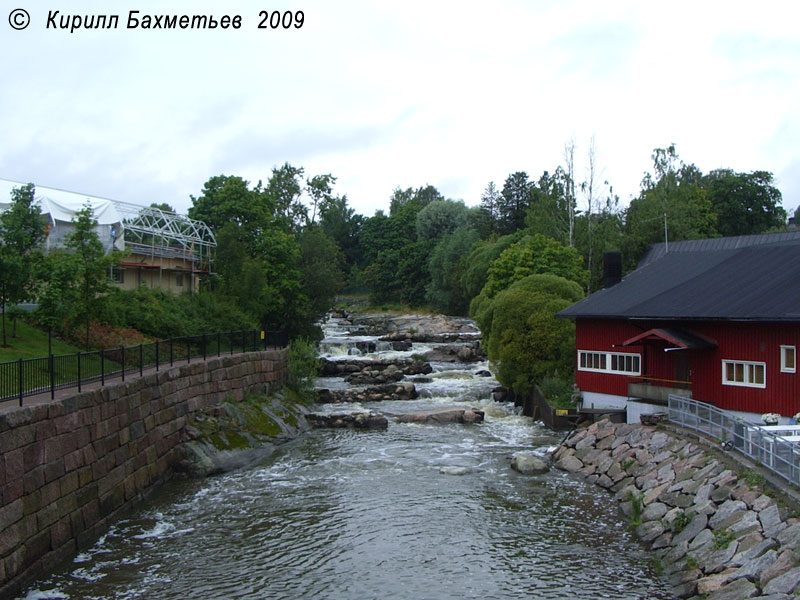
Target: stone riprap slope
718,538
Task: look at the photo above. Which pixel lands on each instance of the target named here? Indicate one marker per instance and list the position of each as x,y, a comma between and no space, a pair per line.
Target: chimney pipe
612,269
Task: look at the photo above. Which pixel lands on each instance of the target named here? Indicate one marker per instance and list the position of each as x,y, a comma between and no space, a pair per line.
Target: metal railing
33,376
773,451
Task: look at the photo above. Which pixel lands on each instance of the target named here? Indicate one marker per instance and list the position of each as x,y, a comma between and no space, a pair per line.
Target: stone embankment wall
68,468
718,536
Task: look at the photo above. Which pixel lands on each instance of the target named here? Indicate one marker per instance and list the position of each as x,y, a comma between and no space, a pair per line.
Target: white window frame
748,373
607,359
784,353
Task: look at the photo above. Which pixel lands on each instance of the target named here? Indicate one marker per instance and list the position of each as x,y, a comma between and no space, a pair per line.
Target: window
788,359
116,274
179,279
743,373
609,362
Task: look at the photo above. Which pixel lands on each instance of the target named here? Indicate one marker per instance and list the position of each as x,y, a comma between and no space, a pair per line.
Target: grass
637,506
30,343
723,538
362,304
754,480
682,520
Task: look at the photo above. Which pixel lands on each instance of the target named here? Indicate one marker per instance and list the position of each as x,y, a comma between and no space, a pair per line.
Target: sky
397,94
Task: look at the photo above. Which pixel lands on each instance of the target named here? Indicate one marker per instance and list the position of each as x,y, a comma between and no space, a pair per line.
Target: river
345,514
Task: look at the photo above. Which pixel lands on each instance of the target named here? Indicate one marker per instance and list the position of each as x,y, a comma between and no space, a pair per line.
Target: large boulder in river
443,415
359,420
528,464
378,393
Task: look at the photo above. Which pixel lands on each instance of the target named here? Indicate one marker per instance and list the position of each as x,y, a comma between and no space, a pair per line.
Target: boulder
454,470
359,420
528,464
443,415
390,391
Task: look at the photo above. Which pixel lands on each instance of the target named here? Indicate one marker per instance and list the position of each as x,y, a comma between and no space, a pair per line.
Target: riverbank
718,533
72,467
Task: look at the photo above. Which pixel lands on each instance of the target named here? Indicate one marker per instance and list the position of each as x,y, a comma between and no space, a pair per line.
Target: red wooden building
718,320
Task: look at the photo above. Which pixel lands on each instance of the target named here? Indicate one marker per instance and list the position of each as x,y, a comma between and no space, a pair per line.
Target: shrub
303,366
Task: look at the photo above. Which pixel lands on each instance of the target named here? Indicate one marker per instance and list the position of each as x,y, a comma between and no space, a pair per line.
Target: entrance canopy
677,339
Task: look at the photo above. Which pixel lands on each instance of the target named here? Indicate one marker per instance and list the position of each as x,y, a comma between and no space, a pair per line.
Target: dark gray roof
723,280
725,243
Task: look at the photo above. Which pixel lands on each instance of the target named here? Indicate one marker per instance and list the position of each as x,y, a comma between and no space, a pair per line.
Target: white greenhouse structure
165,250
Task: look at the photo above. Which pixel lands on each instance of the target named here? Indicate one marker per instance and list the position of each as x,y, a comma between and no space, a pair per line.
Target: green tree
672,204
514,201
440,218
745,203
476,268
284,189
265,281
397,261
596,233
523,339
228,200
321,264
549,209
534,255
343,225
22,232
320,188
489,211
447,264
91,265
58,298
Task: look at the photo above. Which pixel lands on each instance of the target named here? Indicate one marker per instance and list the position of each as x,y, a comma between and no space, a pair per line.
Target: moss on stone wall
217,440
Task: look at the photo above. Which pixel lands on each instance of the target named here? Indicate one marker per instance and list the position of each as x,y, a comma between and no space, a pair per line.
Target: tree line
287,247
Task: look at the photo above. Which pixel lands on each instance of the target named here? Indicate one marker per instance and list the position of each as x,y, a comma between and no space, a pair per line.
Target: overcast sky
388,94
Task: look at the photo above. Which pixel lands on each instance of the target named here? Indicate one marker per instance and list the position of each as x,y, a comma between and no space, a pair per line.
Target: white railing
778,453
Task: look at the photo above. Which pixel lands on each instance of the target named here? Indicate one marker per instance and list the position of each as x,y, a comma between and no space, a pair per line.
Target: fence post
219,350
157,357
188,350
204,347
52,362
244,341
141,360
102,367
79,372
123,362
230,341
20,382
170,352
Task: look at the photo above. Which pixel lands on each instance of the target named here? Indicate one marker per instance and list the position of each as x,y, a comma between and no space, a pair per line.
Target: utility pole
666,239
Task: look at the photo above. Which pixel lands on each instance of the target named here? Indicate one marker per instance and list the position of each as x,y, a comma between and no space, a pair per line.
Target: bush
303,367
521,335
163,315
558,392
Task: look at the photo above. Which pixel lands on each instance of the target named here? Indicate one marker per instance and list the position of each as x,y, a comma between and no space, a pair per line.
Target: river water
376,515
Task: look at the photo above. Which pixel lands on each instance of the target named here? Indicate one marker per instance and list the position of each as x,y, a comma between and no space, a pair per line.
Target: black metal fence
29,377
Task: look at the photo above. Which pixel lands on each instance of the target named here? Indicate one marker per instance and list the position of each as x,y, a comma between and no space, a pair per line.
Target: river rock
450,353
454,470
736,590
398,391
528,464
443,415
370,371
359,420
784,584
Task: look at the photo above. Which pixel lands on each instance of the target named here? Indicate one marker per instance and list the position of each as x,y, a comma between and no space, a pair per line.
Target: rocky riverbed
719,535
377,357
